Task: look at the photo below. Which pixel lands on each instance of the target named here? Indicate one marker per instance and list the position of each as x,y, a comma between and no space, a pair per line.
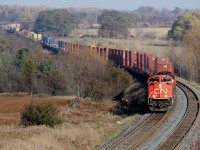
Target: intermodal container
164,67
106,52
127,61
140,60
162,60
149,62
50,41
120,57
132,58
115,55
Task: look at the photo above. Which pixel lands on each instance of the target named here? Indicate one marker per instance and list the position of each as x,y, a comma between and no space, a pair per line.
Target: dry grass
159,45
11,106
87,123
159,32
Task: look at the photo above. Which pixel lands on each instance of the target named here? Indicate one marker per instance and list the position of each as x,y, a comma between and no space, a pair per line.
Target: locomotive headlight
160,86
154,96
165,96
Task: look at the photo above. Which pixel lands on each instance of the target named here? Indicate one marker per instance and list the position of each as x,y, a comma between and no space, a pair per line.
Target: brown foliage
187,60
12,106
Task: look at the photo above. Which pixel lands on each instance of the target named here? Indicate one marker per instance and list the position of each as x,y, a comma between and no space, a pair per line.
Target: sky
109,4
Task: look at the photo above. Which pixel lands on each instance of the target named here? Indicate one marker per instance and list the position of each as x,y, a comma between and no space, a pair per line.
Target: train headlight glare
154,96
165,96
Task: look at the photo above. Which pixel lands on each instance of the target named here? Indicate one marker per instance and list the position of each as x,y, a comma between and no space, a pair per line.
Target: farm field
86,124
151,40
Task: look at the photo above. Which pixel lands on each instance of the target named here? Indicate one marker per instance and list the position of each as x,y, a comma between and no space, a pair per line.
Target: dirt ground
87,124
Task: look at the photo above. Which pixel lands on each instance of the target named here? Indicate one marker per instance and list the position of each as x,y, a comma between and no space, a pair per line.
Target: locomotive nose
160,105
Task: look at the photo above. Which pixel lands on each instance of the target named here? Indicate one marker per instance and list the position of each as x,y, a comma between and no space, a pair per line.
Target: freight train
160,71
161,81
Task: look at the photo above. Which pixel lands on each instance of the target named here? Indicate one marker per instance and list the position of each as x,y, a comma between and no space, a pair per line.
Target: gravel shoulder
190,140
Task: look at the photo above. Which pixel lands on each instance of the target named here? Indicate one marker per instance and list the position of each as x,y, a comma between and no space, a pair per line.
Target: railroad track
136,136
141,133
173,140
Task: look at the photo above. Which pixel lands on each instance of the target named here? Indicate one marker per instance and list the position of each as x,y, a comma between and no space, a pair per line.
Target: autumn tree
44,68
6,70
57,21
185,31
28,73
183,23
114,24
192,54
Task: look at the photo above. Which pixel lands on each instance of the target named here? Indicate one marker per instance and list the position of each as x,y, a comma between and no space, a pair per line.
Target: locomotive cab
160,92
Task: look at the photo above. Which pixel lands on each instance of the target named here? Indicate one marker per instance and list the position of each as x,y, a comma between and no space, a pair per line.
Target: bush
40,114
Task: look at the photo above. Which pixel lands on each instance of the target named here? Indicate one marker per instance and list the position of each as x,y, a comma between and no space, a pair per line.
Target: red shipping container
164,67
101,51
123,58
77,46
84,46
162,60
127,61
70,46
133,58
110,54
140,60
106,52
94,48
115,56
97,51
151,64
81,46
120,57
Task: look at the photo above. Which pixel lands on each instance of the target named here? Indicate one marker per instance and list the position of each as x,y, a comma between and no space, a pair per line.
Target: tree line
141,17
33,71
185,32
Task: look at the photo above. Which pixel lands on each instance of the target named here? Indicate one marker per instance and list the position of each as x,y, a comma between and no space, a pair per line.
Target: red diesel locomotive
161,92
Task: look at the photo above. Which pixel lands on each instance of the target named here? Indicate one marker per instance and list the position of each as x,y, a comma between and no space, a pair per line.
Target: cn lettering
160,91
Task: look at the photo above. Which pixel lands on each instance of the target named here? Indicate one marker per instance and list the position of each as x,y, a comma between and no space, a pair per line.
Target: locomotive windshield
165,80
154,80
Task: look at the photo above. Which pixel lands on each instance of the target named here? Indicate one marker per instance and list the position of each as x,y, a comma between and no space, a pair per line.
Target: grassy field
141,39
87,123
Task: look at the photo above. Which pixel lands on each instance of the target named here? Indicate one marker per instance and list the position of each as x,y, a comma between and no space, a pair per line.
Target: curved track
140,134
185,125
134,135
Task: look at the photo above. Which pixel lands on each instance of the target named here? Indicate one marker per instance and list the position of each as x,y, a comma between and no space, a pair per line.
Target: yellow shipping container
36,36
17,29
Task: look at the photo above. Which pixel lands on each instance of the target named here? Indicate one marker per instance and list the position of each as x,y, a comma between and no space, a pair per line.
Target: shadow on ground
133,100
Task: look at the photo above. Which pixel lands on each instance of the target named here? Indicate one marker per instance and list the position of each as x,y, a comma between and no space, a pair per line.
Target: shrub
40,114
